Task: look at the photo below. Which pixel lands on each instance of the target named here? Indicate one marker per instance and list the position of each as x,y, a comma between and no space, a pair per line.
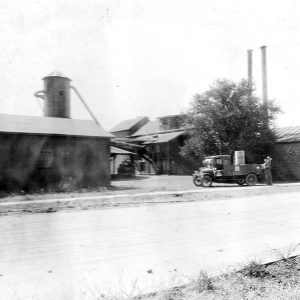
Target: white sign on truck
239,157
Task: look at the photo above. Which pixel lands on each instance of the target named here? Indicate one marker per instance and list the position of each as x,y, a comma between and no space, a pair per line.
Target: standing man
268,174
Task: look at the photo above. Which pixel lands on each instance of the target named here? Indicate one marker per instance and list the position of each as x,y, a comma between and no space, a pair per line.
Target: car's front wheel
197,181
206,181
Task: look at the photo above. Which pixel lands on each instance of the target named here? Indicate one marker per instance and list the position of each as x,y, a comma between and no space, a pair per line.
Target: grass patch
274,281
203,282
256,270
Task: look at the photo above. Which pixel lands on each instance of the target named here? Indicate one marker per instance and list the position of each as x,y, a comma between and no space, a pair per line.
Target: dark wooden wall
168,160
286,161
33,162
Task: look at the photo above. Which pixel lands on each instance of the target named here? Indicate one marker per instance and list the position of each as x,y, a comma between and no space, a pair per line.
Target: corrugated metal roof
50,126
118,151
159,137
127,124
149,128
167,137
287,134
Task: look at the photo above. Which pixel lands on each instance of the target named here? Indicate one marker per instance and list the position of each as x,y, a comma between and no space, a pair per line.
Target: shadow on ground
129,178
229,185
122,188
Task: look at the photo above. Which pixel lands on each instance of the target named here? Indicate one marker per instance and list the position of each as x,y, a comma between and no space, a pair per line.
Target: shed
162,139
48,152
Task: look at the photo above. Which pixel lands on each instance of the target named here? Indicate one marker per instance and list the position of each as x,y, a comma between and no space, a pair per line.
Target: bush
203,282
255,269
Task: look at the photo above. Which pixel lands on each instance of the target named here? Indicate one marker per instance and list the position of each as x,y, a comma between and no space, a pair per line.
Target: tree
226,118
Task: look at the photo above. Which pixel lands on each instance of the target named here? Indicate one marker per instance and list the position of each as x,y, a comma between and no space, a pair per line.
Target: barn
54,151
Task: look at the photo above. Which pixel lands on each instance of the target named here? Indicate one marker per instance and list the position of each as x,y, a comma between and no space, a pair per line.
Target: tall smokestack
264,80
264,74
250,79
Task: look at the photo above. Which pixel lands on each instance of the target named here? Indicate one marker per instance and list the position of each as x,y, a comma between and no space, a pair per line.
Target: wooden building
286,154
42,152
162,139
55,151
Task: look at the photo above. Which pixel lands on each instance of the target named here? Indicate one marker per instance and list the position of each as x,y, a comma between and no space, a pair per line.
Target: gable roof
50,126
287,134
149,128
127,124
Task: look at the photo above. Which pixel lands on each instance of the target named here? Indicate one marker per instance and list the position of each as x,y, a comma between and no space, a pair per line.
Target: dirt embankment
274,281
133,192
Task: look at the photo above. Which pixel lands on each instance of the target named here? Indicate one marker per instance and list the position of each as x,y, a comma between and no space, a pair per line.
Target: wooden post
114,164
168,158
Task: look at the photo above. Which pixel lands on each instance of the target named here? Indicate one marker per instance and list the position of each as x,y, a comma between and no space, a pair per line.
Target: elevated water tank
57,92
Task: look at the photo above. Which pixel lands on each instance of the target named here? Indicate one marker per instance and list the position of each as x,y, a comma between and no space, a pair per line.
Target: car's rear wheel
206,181
251,179
240,181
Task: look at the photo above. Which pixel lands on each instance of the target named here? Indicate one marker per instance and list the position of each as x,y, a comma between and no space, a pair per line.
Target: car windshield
208,163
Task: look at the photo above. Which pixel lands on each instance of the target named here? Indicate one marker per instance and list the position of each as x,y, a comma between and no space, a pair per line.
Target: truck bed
240,170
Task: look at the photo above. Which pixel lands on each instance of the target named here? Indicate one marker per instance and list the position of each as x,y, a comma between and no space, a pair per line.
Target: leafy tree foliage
227,118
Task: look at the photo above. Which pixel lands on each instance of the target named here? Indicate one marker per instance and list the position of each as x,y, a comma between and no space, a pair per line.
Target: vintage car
219,168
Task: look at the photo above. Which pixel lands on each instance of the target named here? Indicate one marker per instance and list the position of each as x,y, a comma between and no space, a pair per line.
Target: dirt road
83,254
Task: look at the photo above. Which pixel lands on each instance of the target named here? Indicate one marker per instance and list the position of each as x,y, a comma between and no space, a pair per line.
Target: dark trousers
268,176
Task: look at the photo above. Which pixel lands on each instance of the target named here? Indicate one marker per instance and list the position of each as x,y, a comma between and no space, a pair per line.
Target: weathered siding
286,161
39,161
168,160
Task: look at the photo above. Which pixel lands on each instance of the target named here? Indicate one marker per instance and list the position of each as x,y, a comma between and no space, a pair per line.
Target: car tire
251,179
240,181
206,181
197,181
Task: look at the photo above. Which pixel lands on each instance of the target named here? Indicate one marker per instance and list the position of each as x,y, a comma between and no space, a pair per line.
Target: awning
164,137
119,151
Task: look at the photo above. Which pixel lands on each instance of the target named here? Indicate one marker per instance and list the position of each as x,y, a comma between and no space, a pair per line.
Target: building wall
33,161
169,122
168,160
286,161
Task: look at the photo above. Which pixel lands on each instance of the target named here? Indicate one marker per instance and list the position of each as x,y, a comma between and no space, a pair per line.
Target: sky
131,58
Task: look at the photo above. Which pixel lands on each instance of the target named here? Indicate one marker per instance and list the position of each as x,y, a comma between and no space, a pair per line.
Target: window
219,161
219,164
